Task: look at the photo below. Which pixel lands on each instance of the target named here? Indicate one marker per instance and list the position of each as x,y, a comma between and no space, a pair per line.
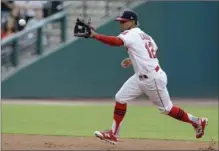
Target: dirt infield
41,142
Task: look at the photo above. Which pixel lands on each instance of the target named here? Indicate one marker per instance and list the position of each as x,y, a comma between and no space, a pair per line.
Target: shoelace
199,129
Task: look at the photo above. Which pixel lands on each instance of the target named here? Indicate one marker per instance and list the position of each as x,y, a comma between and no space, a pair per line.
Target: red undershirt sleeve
110,40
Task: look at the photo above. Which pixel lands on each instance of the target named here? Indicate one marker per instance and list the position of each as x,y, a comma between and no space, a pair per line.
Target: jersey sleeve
155,47
126,37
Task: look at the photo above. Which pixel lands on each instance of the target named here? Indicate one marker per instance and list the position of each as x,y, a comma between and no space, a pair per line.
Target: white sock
193,118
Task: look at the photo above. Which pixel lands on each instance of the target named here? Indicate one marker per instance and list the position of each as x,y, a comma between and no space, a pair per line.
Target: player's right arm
126,63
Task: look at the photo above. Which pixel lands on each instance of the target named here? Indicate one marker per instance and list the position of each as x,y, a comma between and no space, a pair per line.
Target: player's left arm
110,40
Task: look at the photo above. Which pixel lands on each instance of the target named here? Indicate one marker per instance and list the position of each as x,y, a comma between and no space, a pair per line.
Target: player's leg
129,91
159,95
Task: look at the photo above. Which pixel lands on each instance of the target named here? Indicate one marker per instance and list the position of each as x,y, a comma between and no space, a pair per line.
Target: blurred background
40,58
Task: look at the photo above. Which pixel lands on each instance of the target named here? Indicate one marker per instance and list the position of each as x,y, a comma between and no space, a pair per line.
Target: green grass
140,122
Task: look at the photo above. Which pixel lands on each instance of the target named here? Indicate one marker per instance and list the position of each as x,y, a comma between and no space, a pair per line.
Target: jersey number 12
149,47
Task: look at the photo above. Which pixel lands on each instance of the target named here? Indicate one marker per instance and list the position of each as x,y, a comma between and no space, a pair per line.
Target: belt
145,76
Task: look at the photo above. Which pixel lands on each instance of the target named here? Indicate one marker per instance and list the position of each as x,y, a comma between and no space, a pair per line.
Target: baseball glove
82,29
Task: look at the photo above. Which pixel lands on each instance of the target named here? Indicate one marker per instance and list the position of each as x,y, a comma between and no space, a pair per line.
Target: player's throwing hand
126,63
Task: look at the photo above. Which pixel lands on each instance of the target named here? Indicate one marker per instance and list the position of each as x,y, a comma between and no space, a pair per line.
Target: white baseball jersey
141,49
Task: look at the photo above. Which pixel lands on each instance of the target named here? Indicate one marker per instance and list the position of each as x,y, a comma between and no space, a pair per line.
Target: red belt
145,76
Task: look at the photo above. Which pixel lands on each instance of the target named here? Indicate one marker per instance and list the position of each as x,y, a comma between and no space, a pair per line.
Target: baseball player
148,78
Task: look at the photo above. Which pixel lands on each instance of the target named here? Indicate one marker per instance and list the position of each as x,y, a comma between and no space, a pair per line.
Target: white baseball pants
154,87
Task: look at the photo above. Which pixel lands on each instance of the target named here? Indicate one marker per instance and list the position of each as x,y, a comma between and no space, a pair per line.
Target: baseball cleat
107,136
200,128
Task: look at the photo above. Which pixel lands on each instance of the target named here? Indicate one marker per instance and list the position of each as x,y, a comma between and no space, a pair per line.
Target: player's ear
135,22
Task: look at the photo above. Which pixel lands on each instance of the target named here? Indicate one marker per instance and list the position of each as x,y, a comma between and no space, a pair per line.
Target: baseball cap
128,15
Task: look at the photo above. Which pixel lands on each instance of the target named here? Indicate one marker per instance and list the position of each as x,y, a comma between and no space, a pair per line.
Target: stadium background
188,52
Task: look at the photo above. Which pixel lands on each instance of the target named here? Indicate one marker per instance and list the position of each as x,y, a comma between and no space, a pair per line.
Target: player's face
125,25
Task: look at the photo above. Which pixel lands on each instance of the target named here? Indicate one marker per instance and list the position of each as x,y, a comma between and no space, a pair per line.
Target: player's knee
166,109
119,98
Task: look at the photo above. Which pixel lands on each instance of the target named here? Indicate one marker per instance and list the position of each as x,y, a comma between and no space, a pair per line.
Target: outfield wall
187,34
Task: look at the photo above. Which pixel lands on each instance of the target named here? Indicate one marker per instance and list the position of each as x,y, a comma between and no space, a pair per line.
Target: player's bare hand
126,63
